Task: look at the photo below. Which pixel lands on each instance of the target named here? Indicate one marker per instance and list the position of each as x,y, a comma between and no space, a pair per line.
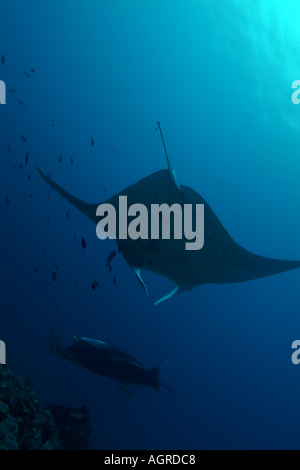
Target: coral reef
73,425
25,425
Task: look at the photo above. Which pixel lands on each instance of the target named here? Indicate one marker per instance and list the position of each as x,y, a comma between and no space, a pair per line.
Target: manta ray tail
168,388
176,291
155,373
87,209
171,170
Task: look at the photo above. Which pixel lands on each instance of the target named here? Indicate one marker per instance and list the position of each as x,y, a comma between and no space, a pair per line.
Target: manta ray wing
222,260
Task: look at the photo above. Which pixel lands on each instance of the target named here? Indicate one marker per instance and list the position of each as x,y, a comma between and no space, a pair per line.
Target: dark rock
73,425
3,411
24,425
8,434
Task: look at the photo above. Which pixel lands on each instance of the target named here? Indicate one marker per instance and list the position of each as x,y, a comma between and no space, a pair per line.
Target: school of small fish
53,274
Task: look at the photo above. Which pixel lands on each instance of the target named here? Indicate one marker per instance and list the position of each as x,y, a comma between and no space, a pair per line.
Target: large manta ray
220,261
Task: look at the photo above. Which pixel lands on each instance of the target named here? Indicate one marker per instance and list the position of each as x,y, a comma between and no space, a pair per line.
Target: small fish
7,200
104,189
54,276
156,128
67,215
14,167
9,148
21,166
72,163
23,138
26,158
11,90
48,218
60,159
48,283
37,269
53,124
92,142
2,60
80,310
56,306
93,286
27,75
21,102
29,177
114,150
33,71
31,195
126,392
43,251
114,280
83,243
56,267
110,257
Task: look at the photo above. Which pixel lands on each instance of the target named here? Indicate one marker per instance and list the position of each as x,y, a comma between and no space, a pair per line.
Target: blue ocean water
218,76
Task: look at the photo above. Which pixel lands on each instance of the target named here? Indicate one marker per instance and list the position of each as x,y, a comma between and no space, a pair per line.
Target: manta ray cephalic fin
137,272
176,291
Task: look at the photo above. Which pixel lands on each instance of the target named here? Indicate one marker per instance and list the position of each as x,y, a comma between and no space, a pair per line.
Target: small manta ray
220,261
105,359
